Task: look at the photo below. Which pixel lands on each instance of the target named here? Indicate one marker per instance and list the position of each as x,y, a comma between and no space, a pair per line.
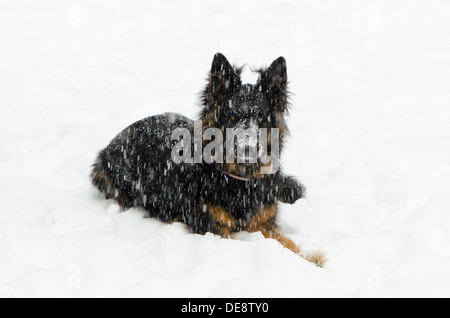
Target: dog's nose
250,124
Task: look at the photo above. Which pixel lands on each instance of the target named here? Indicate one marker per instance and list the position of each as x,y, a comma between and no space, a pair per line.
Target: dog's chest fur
241,199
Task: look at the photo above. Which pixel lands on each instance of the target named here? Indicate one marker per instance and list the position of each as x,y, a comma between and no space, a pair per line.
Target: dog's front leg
316,257
264,222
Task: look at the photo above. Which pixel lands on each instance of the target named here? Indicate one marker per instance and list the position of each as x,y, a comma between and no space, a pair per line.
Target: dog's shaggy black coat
137,170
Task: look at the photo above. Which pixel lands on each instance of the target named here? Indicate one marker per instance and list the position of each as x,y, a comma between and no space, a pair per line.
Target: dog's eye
234,118
260,118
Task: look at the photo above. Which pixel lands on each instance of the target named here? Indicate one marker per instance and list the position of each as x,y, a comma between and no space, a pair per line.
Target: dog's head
233,107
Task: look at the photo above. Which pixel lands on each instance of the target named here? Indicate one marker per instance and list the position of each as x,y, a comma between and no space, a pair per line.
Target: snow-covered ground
370,139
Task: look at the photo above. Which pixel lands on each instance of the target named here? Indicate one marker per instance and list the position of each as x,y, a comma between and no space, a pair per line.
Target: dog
137,169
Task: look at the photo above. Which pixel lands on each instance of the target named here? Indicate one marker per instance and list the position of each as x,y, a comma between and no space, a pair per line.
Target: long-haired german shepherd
137,168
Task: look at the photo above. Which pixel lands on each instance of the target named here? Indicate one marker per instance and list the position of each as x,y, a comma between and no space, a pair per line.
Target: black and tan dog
137,169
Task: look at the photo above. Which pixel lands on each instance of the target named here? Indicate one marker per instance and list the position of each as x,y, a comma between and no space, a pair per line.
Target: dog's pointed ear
277,75
223,77
273,82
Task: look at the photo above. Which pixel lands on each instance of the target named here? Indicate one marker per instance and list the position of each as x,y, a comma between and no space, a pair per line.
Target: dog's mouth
242,171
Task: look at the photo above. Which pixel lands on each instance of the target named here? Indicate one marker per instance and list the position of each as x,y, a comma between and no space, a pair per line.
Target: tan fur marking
224,231
226,223
281,124
100,176
210,118
232,168
264,222
263,219
286,242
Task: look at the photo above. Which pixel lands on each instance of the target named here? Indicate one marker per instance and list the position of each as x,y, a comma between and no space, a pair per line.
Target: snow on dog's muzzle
242,144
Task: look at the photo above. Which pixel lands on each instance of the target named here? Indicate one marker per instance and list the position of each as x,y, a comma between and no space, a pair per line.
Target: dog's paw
316,257
291,191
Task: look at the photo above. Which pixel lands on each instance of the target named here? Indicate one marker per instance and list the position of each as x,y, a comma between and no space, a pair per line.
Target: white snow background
370,140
